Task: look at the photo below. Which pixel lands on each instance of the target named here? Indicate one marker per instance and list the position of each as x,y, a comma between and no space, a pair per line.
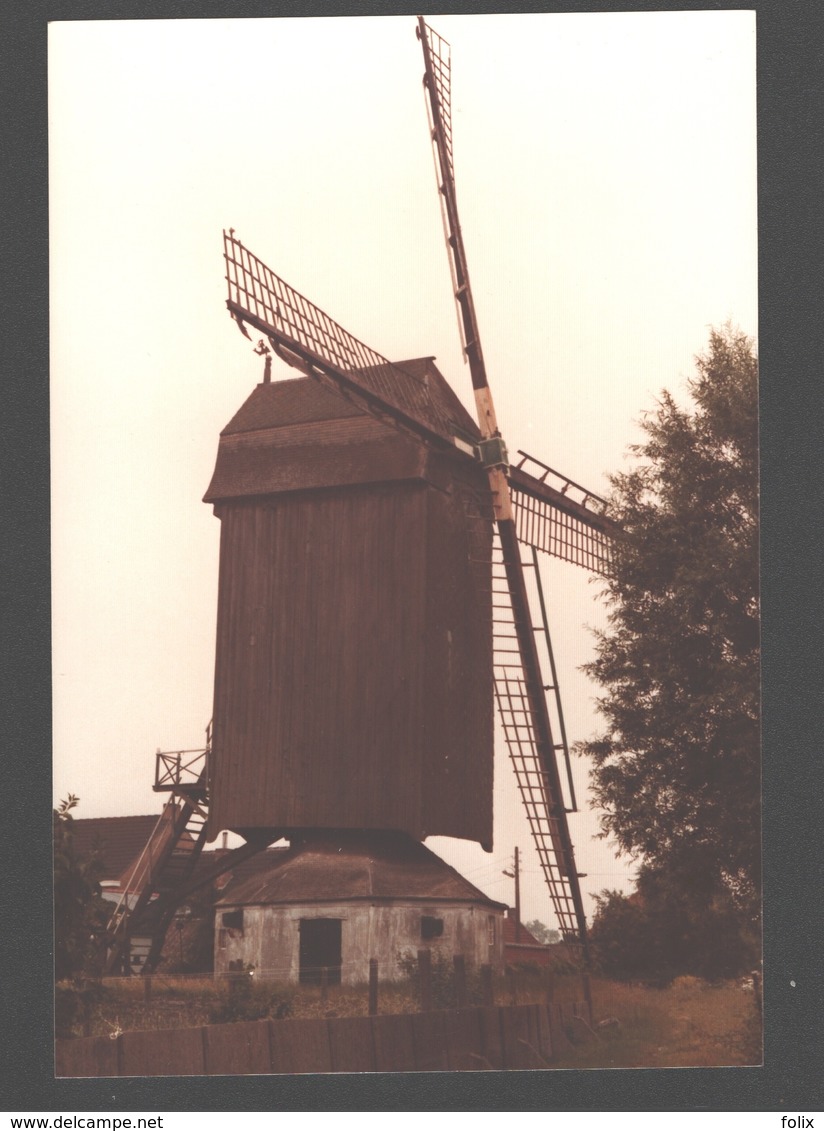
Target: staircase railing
138,886
166,871
179,769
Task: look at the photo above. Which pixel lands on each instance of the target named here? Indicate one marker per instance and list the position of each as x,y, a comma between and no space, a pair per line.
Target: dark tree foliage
676,922
676,770
79,909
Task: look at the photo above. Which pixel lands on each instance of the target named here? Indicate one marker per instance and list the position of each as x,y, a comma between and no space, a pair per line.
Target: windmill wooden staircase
166,871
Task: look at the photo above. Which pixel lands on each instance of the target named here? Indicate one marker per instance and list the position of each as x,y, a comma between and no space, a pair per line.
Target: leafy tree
620,937
677,767
542,932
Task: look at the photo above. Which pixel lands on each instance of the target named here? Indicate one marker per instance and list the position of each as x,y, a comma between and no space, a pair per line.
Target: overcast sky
605,168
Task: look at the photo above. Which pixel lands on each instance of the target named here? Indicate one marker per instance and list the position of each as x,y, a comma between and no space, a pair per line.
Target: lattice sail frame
305,336
440,57
441,69
553,520
541,792
541,796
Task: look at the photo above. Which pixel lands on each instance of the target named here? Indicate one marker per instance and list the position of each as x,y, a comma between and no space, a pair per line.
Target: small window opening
431,928
233,921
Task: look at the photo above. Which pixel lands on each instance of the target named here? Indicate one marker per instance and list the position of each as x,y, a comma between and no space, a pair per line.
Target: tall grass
689,1024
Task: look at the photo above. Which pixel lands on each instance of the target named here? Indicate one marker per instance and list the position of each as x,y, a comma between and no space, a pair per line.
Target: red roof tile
118,840
525,937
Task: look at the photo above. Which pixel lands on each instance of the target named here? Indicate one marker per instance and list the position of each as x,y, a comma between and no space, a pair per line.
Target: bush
244,999
444,989
658,934
80,913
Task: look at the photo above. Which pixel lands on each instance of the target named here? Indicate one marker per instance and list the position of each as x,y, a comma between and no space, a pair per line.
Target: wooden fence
476,1038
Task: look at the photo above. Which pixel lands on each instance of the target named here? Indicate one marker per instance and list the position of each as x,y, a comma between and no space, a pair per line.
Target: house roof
525,937
117,840
349,866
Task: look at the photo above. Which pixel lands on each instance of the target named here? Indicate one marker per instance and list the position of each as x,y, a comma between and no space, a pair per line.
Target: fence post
147,987
425,979
486,985
587,994
550,987
513,985
373,987
324,984
459,962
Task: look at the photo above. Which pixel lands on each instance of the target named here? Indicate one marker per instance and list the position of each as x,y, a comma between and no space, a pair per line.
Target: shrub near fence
477,1037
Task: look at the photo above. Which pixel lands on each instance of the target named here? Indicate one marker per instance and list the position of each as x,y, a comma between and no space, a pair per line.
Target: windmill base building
329,904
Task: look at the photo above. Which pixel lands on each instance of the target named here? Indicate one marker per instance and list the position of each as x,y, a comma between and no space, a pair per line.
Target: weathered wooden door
320,949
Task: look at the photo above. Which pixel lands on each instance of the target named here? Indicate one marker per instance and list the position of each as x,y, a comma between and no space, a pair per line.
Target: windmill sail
436,80
306,337
526,510
563,520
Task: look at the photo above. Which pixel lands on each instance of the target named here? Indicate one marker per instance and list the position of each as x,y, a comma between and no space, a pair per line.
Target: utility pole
516,875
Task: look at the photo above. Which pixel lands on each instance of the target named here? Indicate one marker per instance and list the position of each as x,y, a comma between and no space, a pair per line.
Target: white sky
605,167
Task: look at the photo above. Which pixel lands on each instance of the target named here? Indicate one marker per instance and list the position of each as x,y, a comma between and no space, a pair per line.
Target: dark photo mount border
792,413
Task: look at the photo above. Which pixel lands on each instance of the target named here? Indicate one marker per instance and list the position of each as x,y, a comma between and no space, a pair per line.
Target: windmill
533,506
375,543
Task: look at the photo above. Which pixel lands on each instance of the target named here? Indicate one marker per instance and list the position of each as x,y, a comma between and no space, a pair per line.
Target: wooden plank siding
457,665
162,1052
353,677
514,1038
87,1056
237,1049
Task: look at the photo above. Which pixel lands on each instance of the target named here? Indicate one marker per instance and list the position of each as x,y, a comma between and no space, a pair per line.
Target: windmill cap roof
299,435
301,400
295,400
350,866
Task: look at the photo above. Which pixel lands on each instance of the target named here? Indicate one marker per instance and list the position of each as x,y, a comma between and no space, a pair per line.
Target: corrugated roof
349,866
118,840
